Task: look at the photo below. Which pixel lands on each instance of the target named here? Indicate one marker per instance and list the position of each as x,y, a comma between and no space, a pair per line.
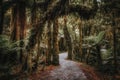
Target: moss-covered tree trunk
55,43
114,47
34,13
18,23
14,24
18,28
49,34
33,24
1,16
68,40
38,54
22,20
62,44
80,41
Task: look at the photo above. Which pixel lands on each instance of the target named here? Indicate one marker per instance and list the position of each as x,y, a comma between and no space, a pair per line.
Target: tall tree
1,16
14,24
22,19
80,39
18,24
68,39
55,43
49,34
33,23
114,46
34,13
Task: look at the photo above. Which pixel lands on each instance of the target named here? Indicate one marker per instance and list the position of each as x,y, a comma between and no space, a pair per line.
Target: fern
8,50
95,39
99,37
107,53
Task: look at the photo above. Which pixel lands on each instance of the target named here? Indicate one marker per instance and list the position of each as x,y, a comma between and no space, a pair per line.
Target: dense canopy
79,38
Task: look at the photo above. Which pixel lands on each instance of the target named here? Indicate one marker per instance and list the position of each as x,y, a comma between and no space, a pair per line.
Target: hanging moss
55,10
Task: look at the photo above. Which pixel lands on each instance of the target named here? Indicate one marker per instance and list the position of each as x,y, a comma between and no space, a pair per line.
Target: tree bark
22,20
55,43
18,27
18,22
80,41
34,13
38,54
14,24
68,40
114,47
49,53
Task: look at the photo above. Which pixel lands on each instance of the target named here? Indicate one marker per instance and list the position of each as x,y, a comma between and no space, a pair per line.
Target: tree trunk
62,45
49,53
14,24
34,14
55,43
114,47
18,22
1,16
38,54
99,58
80,41
22,20
33,23
18,27
68,40
28,63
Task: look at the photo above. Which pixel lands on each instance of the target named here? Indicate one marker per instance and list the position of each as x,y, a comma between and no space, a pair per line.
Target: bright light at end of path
98,0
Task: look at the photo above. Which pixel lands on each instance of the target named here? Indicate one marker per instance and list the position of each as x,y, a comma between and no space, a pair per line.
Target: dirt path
68,70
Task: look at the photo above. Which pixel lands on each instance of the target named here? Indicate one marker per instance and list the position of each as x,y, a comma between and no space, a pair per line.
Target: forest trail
68,70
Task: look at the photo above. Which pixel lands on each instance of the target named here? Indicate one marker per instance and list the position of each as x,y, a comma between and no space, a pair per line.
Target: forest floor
68,70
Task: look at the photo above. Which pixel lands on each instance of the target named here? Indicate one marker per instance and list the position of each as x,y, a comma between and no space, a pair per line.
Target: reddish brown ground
68,70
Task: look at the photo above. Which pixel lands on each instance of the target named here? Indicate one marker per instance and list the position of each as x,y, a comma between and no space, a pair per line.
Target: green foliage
90,39
8,50
96,39
99,37
6,46
7,54
106,53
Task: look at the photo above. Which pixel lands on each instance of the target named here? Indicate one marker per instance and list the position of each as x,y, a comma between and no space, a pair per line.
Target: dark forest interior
59,39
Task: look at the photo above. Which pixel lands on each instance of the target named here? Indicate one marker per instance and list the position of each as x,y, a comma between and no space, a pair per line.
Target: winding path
68,70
